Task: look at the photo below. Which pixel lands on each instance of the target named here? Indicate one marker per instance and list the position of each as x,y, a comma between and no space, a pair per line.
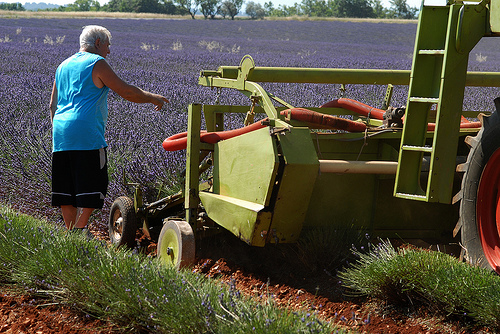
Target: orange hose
367,111
356,106
318,120
179,141
464,124
314,119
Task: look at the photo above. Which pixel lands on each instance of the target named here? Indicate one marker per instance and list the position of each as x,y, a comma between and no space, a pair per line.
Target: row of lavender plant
166,56
135,292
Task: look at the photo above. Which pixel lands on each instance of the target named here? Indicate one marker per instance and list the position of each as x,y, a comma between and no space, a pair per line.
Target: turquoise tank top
82,108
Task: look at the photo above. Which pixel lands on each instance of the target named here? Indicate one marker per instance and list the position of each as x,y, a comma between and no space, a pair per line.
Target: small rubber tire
176,244
480,204
122,225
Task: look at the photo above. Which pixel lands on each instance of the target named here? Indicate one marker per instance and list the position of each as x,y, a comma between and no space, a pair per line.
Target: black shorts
79,178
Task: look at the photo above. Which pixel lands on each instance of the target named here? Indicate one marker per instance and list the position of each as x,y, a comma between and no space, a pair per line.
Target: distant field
54,14
166,56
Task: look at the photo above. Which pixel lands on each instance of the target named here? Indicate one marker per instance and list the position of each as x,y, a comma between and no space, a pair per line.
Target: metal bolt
170,251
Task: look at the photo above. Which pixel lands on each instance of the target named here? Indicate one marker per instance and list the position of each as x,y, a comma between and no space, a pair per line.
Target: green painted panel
244,219
296,185
495,16
342,200
245,167
400,215
366,201
333,146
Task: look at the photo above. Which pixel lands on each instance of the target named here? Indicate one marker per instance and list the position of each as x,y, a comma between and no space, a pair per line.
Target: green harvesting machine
427,171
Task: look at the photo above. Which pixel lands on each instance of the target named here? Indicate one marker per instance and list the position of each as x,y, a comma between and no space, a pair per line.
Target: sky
385,3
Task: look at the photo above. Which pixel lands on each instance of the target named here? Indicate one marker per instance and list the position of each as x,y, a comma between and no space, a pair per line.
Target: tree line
335,8
11,6
212,9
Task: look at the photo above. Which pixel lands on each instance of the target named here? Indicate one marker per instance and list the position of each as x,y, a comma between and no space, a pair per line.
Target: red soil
255,274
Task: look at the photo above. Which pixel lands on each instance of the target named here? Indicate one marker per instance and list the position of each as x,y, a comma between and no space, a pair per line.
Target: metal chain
217,96
342,90
364,143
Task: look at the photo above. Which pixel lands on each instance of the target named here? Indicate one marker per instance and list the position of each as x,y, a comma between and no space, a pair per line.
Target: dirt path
257,273
21,313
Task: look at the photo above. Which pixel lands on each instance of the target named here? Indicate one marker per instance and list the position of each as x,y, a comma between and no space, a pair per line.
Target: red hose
367,111
357,107
314,119
318,120
179,141
464,124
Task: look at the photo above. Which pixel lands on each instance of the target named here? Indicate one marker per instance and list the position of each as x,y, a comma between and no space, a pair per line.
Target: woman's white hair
91,33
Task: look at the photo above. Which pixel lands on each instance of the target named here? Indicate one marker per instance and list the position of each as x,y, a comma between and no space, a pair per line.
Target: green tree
141,6
230,8
146,6
120,6
12,6
168,7
83,6
208,7
321,8
268,6
379,10
352,8
281,10
291,10
188,6
401,10
255,10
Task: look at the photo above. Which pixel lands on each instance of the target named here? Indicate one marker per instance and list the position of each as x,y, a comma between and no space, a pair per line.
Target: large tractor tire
480,202
122,223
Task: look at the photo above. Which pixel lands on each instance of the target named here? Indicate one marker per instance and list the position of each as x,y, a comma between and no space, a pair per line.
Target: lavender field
166,56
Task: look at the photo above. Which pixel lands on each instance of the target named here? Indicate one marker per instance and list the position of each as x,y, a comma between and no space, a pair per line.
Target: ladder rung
410,196
431,52
424,99
427,149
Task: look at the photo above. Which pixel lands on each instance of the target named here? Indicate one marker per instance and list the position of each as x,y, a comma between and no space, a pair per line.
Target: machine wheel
176,244
122,222
480,204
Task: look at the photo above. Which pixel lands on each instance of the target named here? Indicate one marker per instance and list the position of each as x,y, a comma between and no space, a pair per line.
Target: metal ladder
436,89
